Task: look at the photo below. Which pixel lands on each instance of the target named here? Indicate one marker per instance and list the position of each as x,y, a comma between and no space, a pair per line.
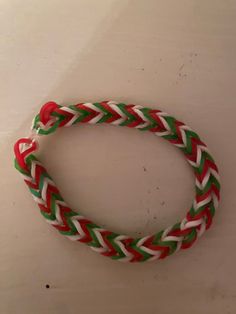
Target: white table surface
178,56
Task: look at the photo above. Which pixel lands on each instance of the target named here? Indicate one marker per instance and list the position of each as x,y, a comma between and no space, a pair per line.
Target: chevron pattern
76,227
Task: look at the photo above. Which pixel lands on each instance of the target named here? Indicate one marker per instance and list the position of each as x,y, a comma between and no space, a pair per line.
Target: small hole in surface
47,286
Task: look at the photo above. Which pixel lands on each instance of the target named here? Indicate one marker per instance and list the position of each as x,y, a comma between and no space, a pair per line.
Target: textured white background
178,56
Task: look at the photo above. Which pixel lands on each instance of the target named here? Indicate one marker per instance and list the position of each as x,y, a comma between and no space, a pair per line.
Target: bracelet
76,227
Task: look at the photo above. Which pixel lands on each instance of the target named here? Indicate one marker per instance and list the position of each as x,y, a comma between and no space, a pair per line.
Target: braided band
78,228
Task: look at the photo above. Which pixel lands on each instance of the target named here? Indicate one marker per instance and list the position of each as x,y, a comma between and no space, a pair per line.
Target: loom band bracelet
76,227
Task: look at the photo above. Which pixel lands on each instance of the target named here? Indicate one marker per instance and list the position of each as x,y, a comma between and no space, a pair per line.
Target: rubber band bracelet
76,227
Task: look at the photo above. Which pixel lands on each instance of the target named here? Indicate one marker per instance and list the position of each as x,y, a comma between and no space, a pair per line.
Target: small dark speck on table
144,169
181,67
47,286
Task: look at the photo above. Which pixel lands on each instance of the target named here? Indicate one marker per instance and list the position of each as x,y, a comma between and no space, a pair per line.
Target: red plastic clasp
23,148
46,110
